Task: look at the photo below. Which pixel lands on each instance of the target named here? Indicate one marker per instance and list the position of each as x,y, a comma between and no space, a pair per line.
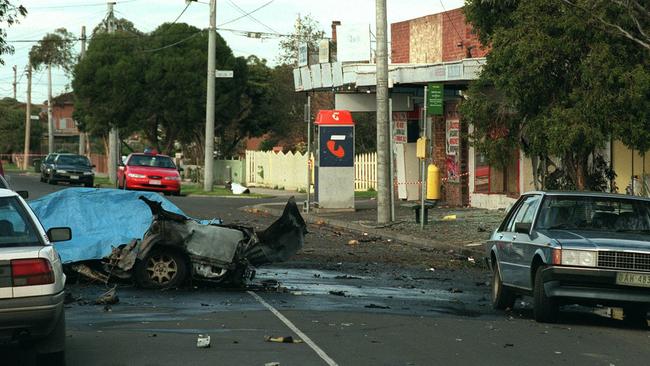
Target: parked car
46,166
573,247
31,280
149,172
2,172
71,168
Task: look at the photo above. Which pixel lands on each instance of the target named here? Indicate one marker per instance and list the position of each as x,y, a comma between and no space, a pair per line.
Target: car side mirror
57,234
523,227
23,194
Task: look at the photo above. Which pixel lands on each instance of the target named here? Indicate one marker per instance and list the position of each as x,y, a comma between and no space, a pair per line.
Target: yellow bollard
433,182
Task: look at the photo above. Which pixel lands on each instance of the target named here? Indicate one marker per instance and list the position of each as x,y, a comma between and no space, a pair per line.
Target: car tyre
176,193
545,309
89,184
502,296
161,268
51,180
51,350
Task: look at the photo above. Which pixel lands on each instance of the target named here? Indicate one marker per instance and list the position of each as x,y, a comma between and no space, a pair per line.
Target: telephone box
334,186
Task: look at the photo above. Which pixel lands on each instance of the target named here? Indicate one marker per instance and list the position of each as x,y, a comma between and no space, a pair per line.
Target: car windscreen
16,226
73,160
594,213
151,160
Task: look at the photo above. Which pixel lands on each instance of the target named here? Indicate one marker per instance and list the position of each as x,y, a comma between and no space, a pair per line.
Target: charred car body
172,247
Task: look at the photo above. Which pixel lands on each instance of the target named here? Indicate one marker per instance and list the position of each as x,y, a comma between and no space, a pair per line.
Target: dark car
573,247
2,172
46,166
71,168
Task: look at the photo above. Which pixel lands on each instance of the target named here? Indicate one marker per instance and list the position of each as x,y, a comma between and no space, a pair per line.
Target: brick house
66,133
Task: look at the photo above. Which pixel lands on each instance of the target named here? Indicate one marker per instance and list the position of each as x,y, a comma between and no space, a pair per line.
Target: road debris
353,242
430,269
338,293
237,188
203,341
375,306
449,218
508,345
287,339
272,364
347,277
454,290
86,271
108,298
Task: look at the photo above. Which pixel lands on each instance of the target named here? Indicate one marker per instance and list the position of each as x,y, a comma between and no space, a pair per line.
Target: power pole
383,147
50,120
15,81
28,115
209,108
113,135
82,135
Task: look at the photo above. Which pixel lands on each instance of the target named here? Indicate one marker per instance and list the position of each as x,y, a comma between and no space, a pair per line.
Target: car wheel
502,296
545,309
42,178
51,180
89,184
51,350
636,316
176,193
161,268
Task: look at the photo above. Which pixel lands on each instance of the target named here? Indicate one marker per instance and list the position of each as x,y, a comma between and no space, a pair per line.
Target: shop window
490,179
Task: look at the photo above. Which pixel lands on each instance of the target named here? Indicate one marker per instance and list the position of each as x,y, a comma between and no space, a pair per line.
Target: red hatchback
149,172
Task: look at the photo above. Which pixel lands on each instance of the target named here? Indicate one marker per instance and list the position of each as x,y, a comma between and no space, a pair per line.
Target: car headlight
60,171
173,178
584,258
133,175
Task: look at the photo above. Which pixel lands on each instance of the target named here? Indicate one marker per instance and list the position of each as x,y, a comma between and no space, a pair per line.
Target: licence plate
155,182
633,279
74,177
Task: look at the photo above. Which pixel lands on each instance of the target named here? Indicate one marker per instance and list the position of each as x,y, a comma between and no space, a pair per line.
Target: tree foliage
12,127
55,49
306,30
155,84
555,85
9,15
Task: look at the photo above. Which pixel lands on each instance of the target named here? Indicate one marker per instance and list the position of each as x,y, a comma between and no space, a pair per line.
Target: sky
274,16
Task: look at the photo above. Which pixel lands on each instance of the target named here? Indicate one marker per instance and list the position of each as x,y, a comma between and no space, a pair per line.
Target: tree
55,49
306,30
12,127
561,90
10,15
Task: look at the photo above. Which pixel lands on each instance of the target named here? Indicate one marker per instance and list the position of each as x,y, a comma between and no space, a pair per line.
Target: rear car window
73,160
16,226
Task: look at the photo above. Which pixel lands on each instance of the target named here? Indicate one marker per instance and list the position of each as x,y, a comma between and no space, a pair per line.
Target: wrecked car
144,237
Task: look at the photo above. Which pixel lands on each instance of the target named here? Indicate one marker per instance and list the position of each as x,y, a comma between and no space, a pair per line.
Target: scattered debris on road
203,341
347,277
108,298
287,339
338,293
375,306
237,188
272,364
353,242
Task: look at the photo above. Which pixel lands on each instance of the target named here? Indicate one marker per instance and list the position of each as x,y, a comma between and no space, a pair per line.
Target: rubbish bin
37,165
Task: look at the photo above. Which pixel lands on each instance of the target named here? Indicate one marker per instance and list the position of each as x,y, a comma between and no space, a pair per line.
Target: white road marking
295,329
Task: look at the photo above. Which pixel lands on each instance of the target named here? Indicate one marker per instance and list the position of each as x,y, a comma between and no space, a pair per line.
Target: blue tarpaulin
100,219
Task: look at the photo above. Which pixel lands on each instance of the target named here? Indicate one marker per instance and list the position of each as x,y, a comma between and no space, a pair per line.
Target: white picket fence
289,170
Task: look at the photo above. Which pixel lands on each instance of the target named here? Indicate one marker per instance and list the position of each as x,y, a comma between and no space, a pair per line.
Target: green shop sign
434,99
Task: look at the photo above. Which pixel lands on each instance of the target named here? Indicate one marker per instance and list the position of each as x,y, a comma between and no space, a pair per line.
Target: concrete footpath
460,229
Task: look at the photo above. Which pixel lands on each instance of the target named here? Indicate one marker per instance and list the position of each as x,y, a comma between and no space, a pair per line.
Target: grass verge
365,194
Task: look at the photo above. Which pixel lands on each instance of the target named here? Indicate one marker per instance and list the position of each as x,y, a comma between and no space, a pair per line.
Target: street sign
303,55
434,99
224,74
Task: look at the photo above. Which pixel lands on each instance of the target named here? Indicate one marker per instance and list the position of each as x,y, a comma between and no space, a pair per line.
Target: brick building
66,133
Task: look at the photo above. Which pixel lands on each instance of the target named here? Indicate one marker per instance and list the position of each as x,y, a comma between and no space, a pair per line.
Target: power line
181,14
173,44
246,14
76,5
252,17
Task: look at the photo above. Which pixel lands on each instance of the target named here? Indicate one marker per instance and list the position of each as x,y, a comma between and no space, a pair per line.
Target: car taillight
30,272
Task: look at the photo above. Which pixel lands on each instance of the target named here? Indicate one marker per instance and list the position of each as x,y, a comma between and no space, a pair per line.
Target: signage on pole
224,74
303,55
435,99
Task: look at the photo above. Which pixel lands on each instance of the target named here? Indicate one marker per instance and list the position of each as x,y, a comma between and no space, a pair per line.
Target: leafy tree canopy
306,30
555,84
54,49
9,15
12,127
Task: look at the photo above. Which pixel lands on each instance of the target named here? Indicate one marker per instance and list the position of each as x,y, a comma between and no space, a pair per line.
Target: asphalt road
386,316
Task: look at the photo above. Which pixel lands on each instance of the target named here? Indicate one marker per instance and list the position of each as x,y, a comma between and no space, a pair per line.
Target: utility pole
15,81
309,165
28,115
82,135
383,147
209,108
113,135
50,120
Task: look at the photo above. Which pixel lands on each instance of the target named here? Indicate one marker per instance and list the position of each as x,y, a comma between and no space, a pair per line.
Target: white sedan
31,281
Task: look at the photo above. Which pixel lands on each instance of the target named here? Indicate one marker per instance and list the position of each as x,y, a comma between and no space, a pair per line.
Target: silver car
573,247
31,281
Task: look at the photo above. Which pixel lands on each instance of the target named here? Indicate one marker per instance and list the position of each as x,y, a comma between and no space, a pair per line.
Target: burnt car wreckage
174,247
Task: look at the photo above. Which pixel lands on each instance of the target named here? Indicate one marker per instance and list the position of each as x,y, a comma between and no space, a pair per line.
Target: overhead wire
252,17
246,14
